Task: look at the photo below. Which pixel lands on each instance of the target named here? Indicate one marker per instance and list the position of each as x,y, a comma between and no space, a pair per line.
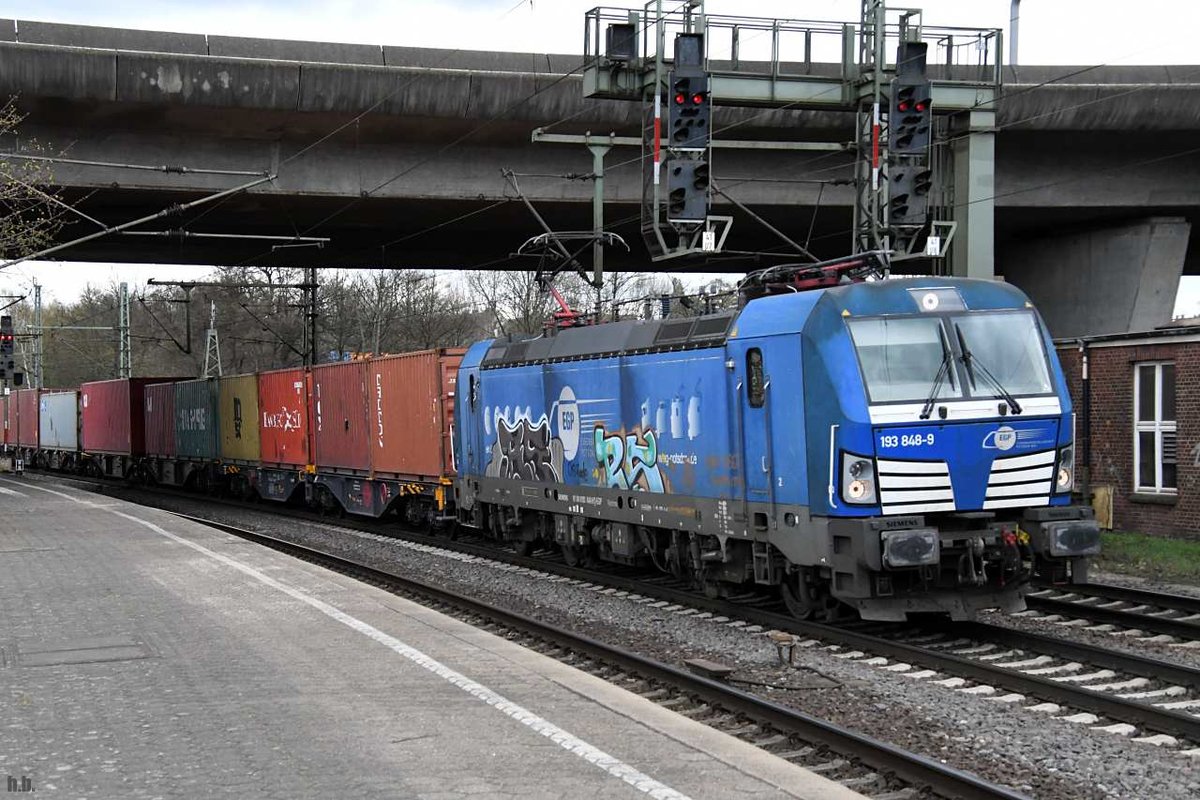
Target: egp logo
1003,438
568,422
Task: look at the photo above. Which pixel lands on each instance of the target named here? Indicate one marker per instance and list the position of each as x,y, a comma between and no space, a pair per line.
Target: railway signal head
687,190
910,116
911,119
6,335
908,194
689,115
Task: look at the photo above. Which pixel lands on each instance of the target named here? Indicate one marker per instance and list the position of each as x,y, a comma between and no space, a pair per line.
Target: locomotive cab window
903,359
756,385
472,392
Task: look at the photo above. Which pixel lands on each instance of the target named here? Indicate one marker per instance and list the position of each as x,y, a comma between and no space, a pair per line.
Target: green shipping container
197,420
239,418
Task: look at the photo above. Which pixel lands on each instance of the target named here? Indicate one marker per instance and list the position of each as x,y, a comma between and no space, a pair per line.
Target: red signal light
903,105
697,98
922,105
680,99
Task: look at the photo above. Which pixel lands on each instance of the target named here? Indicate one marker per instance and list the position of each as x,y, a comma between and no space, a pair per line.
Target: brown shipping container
339,416
410,401
283,427
160,419
27,417
114,415
238,416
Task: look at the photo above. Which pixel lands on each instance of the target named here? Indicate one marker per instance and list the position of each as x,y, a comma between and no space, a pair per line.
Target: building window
1154,466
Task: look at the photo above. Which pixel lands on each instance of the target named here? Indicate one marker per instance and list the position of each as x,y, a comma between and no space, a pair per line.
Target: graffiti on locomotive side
525,451
629,461
285,419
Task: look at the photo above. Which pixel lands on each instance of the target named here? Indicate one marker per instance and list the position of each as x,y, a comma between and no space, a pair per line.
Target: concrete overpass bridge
1097,173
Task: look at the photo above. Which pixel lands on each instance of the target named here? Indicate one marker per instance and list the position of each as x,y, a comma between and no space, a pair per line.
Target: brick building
1137,418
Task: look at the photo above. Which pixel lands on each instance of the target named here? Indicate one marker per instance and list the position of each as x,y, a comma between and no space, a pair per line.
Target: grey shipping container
197,424
58,421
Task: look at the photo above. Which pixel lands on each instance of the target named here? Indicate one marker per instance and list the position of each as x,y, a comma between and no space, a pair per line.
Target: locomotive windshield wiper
972,364
942,373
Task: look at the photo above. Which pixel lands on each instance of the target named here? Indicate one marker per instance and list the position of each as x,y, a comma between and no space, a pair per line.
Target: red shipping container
339,416
159,419
114,416
283,410
410,400
27,417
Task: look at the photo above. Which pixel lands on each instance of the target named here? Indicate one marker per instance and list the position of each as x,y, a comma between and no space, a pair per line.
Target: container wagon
23,424
113,420
382,434
58,431
237,424
284,432
159,427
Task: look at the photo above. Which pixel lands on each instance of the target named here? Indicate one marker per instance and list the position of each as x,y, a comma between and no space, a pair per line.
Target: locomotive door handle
764,464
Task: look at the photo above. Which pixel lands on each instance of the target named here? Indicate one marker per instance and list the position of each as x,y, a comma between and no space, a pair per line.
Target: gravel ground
1042,756
1147,584
1180,652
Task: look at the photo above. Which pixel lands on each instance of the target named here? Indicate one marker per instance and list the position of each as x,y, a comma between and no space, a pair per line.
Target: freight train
890,447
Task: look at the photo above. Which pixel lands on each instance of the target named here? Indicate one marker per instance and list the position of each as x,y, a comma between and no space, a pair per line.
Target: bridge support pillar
973,150
1106,280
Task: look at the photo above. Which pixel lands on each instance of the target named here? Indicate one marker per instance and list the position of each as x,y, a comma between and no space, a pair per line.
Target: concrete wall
1109,280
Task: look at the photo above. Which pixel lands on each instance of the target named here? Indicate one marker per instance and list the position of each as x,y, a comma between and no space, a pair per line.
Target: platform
146,656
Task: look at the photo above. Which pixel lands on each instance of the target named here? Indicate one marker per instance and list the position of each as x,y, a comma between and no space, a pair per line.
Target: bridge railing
787,48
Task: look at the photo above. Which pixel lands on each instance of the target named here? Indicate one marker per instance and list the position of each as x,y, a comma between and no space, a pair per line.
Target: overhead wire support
568,258
798,247
180,233
108,230
186,349
272,331
188,285
165,168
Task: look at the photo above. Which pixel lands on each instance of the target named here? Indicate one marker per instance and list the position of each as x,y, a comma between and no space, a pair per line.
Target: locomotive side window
755,384
472,392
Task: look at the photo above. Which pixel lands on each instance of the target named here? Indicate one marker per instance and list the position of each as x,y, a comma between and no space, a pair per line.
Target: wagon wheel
576,555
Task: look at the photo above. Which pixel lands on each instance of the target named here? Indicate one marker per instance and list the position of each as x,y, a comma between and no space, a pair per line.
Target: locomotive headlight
911,548
1073,538
1064,476
858,479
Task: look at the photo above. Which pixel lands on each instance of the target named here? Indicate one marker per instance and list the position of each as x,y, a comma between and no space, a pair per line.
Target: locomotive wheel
524,547
798,597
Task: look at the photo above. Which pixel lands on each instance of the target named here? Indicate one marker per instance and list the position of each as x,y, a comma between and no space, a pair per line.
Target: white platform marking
593,755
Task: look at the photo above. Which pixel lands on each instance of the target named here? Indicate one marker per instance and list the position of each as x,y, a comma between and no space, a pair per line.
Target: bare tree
31,214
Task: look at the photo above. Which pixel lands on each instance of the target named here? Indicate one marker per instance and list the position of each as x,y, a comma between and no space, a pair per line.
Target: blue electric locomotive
893,446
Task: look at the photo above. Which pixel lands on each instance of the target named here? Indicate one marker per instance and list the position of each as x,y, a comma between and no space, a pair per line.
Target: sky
1052,32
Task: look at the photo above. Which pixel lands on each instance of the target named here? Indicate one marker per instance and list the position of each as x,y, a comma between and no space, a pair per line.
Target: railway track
1145,698
1121,608
880,770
